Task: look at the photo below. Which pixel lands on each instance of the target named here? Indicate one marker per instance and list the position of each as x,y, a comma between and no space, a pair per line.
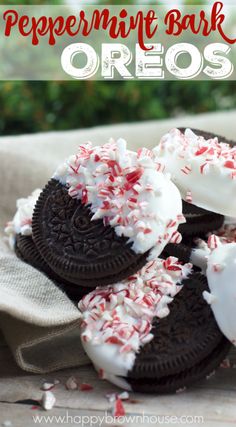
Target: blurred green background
44,106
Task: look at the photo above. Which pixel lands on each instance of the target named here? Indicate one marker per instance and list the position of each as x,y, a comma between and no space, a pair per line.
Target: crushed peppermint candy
48,400
127,190
47,386
122,314
71,384
124,395
22,221
202,167
176,238
186,169
211,151
111,397
118,409
227,233
85,387
213,241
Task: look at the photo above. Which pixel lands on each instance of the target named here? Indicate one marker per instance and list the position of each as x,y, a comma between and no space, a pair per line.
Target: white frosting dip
226,234
22,221
126,190
199,255
203,170
221,276
117,320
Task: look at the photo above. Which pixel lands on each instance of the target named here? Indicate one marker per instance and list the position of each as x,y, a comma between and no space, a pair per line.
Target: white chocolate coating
221,276
199,256
22,221
127,191
203,170
117,320
226,234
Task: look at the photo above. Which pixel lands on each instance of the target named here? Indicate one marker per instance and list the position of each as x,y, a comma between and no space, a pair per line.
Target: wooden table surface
213,400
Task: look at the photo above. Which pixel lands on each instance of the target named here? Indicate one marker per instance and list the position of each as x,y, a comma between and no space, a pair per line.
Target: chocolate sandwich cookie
199,221
178,382
187,344
153,329
104,213
19,232
26,250
81,251
203,167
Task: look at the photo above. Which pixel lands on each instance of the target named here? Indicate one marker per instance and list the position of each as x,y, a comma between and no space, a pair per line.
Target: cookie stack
107,229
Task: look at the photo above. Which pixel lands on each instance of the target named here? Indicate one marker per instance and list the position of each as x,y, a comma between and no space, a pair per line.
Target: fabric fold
39,322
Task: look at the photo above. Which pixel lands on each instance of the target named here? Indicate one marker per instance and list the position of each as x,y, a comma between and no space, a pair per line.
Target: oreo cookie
190,210
187,344
199,221
163,335
26,250
104,213
178,382
77,249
